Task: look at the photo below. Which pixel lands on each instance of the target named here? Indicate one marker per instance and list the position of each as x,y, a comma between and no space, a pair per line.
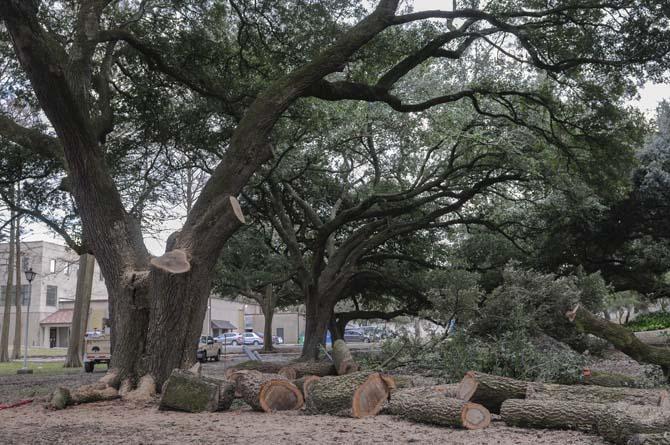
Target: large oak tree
254,60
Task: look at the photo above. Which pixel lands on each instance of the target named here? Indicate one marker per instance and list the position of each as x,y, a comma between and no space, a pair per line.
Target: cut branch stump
269,392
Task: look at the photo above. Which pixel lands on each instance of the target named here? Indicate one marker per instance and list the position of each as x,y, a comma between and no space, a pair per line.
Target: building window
52,295
25,294
3,291
52,266
25,263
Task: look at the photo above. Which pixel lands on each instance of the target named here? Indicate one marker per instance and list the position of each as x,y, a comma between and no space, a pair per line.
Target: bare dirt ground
120,422
123,422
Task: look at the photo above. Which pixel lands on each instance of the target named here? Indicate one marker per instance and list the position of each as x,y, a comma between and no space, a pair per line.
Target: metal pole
25,340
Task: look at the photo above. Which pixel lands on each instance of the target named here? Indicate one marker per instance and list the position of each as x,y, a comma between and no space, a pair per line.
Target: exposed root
111,378
145,391
125,388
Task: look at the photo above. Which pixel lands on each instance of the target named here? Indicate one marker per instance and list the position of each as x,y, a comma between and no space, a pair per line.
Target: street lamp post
30,276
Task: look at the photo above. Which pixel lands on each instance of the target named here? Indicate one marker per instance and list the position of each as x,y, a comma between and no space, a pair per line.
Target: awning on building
222,324
62,316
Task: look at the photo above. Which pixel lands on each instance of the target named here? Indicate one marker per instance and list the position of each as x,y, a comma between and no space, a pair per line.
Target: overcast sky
650,96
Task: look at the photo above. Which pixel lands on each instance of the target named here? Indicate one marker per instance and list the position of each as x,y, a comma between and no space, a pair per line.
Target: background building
54,285
53,294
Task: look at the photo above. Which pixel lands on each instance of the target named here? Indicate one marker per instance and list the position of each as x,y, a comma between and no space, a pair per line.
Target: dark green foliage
650,322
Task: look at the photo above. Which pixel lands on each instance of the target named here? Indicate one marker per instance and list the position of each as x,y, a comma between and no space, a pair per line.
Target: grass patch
39,368
44,352
650,322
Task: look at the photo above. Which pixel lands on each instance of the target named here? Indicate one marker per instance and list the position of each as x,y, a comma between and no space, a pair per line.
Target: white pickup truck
97,349
208,348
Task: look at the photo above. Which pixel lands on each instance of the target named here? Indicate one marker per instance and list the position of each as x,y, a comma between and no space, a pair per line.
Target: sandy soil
119,422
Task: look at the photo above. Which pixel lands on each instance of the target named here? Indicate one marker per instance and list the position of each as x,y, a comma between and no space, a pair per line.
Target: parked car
275,340
230,338
208,348
252,338
356,336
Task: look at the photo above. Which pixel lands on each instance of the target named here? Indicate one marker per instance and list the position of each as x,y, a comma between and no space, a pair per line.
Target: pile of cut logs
621,415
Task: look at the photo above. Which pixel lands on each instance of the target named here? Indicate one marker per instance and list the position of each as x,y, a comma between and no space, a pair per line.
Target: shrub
650,322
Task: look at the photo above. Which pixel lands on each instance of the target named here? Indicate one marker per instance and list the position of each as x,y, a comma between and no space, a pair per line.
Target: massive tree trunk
82,302
16,349
6,318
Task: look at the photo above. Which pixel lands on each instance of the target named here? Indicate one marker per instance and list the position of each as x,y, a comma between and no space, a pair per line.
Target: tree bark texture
622,339
269,392
268,307
317,316
185,391
320,368
82,302
303,383
255,365
6,317
597,394
16,349
342,359
615,423
359,394
650,439
611,379
437,409
490,390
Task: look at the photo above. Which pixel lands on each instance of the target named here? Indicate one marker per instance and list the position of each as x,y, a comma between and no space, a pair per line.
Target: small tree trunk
6,318
360,394
316,324
437,409
16,350
81,307
268,314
